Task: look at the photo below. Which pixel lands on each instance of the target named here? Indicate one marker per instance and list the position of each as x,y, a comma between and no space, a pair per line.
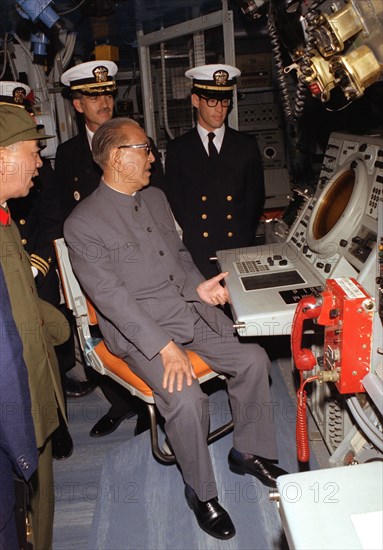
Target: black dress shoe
108,424
261,468
211,517
78,388
62,443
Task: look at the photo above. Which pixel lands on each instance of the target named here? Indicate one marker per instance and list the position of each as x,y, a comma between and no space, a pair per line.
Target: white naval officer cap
213,80
91,77
13,93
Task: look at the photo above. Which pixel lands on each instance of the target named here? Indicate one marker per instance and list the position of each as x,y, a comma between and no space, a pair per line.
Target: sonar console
334,235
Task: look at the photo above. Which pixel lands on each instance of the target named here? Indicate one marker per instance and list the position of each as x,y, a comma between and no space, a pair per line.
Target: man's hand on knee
177,366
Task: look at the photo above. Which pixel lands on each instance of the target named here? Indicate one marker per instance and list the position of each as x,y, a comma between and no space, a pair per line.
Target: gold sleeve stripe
40,264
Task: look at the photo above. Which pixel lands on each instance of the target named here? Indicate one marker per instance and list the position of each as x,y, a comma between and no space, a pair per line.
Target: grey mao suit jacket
132,264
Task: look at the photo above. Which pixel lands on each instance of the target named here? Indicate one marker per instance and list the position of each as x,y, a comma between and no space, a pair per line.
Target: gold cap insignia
220,77
100,74
19,95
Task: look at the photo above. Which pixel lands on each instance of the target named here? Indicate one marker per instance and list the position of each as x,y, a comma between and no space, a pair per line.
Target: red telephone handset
307,308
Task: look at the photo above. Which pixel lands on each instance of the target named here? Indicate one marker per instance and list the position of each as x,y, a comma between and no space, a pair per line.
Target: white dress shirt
219,133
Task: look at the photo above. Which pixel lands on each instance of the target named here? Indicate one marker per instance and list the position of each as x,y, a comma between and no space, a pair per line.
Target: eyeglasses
146,146
212,102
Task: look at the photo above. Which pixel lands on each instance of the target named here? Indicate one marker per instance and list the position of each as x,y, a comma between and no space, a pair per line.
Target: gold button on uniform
22,221
229,217
204,216
230,234
205,234
229,198
24,241
204,198
76,195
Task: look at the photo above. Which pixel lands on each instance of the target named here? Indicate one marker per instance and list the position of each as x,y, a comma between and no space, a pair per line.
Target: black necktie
212,148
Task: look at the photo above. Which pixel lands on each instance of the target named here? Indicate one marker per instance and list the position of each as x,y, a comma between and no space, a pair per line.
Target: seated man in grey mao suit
153,304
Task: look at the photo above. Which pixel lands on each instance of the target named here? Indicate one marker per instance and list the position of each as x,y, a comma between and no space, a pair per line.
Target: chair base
169,458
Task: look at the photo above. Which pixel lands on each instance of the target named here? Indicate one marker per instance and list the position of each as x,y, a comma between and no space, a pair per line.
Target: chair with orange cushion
97,355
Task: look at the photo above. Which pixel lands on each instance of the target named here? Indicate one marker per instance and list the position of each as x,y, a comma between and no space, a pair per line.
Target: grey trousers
186,413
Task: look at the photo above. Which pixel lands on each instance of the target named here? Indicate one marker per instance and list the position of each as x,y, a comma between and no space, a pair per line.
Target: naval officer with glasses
213,174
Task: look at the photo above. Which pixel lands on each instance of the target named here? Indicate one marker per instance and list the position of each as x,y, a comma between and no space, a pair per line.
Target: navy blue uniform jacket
39,220
18,450
217,202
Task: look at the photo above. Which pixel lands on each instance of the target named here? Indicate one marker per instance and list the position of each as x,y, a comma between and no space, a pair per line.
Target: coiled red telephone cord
302,438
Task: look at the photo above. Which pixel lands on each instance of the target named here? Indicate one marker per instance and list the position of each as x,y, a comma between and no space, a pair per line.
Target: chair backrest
74,296
96,354
80,306
92,315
